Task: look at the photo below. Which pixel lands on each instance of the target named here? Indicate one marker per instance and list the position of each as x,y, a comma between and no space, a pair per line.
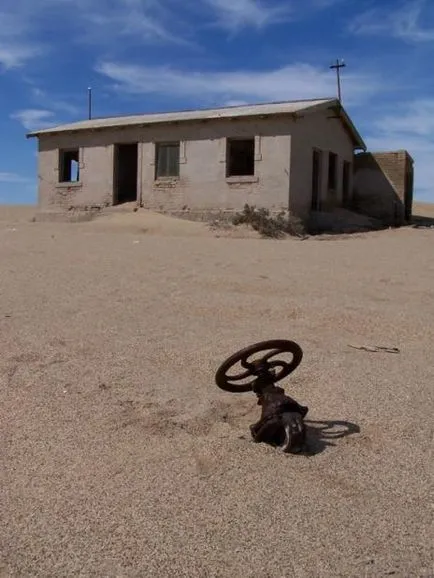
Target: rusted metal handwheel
281,422
263,368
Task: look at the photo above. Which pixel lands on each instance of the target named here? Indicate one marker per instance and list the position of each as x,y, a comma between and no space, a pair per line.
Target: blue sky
162,55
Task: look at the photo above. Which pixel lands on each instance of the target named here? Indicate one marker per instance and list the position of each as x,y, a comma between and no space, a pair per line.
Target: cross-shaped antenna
338,65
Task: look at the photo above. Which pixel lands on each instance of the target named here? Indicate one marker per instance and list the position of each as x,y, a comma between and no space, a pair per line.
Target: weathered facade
296,156
383,185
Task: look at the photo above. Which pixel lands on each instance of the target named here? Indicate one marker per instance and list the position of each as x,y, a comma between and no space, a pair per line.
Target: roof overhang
353,133
249,112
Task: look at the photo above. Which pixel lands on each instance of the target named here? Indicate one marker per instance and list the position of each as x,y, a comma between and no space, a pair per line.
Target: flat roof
248,110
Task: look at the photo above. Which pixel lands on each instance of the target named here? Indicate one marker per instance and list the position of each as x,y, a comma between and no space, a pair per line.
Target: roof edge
357,138
55,129
332,103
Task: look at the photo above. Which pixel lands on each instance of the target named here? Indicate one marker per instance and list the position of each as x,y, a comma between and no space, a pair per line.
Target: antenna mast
338,65
89,102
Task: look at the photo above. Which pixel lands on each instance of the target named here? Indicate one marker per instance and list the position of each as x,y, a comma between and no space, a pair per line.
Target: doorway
316,181
125,173
346,179
408,192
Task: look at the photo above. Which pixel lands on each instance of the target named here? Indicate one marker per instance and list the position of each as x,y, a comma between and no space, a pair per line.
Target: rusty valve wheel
262,369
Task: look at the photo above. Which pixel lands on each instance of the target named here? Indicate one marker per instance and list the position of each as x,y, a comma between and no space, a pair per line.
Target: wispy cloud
16,46
16,55
410,127
291,82
414,118
34,119
403,23
50,101
13,178
139,21
234,14
27,27
95,22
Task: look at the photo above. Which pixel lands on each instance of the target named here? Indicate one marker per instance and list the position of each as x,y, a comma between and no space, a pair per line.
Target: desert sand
121,458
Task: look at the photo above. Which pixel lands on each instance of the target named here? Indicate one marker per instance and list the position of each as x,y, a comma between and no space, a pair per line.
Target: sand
121,458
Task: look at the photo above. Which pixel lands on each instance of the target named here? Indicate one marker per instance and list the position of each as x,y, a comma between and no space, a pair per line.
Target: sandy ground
121,458
423,209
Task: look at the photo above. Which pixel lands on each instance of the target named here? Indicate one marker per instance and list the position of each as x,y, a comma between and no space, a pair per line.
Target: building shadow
322,434
420,221
383,186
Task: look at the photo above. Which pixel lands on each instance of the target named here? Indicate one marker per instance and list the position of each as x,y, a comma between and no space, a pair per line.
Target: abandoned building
300,156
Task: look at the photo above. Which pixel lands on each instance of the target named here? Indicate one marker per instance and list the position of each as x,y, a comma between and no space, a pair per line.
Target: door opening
346,179
408,193
316,181
125,173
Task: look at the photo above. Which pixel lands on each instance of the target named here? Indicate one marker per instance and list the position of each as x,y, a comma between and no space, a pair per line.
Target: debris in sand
375,348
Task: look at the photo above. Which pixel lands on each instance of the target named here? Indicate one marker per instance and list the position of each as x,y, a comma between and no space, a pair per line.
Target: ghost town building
300,156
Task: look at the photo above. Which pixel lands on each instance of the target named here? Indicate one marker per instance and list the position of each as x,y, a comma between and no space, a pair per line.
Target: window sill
166,181
242,179
71,185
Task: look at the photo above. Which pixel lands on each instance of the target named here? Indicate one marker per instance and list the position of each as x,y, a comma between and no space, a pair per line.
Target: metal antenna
89,101
338,65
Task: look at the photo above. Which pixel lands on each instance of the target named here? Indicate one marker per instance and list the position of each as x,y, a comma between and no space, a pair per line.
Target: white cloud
134,20
15,48
235,103
61,104
411,127
415,118
97,22
403,23
16,55
234,14
296,81
34,119
25,29
13,178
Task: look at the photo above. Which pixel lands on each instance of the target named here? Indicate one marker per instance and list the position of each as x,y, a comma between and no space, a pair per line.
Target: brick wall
382,188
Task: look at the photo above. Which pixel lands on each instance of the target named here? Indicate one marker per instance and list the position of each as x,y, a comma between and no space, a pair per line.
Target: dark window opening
346,175
69,169
316,180
125,173
167,160
240,157
332,176
408,193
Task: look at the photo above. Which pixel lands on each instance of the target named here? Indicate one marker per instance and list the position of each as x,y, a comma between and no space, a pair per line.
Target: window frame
334,185
62,152
346,182
316,206
236,175
157,160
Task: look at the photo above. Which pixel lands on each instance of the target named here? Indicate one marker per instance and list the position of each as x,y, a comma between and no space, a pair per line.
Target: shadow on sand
321,434
420,221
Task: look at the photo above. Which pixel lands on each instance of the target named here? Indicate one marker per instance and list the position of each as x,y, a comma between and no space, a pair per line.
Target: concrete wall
283,164
327,135
96,174
202,183
383,186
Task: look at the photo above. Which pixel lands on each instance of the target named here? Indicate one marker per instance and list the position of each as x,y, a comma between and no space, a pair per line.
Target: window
346,175
333,165
69,169
240,157
167,160
316,180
